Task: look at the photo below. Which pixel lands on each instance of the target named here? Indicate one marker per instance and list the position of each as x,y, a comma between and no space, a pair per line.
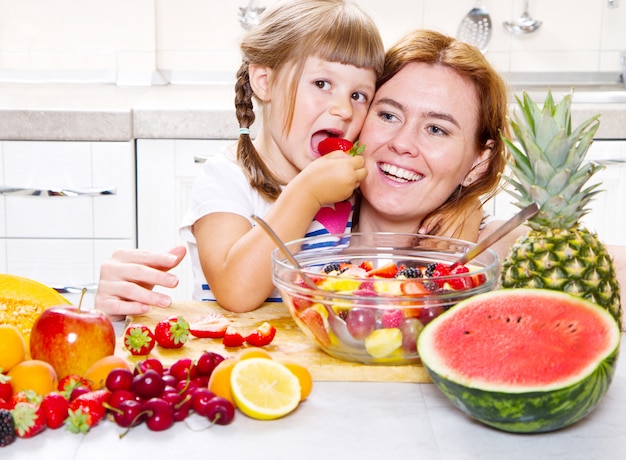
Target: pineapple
547,167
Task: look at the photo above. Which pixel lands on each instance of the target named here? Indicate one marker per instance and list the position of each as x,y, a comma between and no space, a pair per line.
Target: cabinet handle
75,289
5,190
199,160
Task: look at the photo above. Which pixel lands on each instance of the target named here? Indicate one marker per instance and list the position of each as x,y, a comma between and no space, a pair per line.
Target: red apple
71,339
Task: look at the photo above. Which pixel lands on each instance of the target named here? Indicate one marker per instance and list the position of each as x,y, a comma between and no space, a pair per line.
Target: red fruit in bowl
71,339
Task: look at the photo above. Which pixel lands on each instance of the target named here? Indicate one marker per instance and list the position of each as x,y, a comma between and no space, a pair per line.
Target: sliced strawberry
233,338
212,326
366,265
331,144
55,407
87,410
262,335
29,419
386,271
315,323
414,287
139,340
463,282
172,332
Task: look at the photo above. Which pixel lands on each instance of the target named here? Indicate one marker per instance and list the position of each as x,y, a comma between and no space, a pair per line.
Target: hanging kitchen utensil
524,24
475,28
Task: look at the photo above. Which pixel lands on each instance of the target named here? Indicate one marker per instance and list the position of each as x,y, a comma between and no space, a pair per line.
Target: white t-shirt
222,186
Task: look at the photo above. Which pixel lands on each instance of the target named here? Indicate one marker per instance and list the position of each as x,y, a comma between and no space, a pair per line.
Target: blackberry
7,428
410,272
333,267
430,269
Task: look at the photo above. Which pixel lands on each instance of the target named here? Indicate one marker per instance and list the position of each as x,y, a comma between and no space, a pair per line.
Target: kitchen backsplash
142,42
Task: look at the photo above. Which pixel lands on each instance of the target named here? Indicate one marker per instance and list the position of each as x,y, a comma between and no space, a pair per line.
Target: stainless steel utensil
475,28
337,324
505,228
524,24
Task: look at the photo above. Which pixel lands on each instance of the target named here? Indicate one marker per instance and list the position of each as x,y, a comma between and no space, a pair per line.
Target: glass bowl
365,297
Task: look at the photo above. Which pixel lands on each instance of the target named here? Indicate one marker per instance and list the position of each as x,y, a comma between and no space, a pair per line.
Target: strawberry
464,282
331,144
6,390
139,340
262,335
70,382
29,419
391,318
233,338
414,287
55,408
172,332
24,396
212,326
315,323
87,410
386,271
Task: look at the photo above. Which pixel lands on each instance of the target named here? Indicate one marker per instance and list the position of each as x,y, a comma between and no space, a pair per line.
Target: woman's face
420,138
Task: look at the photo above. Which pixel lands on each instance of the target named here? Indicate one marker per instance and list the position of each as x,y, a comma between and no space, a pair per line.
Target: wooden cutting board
290,343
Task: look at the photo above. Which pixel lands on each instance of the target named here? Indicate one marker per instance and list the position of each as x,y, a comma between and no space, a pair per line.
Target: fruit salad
374,310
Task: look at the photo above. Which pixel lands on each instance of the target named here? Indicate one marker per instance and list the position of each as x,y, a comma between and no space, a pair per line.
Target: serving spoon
337,324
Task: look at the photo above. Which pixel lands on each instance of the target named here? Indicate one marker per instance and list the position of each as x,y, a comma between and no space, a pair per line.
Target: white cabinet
64,208
166,169
608,213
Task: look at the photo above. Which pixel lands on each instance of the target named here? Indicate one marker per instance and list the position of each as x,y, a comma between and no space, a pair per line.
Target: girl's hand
332,178
126,281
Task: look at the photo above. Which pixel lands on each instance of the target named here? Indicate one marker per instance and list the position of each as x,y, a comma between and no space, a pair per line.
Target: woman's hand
126,281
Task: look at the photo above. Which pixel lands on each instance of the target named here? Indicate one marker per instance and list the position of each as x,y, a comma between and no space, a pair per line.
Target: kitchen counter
106,112
349,420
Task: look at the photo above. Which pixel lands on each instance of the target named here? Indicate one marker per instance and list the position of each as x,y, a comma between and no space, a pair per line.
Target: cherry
148,385
181,404
119,379
149,363
170,380
207,362
159,414
220,410
183,369
186,387
200,399
129,413
201,381
79,390
119,396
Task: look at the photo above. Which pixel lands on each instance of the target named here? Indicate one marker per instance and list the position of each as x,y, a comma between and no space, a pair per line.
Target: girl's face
420,138
332,100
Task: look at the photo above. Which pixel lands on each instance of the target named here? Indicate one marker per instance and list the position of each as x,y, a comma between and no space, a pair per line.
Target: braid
255,169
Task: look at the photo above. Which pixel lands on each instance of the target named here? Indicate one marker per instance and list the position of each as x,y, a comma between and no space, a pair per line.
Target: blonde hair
438,49
289,33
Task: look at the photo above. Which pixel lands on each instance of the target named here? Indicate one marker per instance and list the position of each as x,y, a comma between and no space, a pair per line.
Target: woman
433,152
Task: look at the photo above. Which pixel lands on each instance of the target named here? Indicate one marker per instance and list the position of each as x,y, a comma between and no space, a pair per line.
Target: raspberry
391,318
7,428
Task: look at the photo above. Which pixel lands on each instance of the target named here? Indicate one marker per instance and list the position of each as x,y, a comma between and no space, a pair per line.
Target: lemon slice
264,389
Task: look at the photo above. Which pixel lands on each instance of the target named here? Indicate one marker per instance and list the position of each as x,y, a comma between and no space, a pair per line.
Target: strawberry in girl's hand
29,419
87,410
139,340
172,332
330,144
55,407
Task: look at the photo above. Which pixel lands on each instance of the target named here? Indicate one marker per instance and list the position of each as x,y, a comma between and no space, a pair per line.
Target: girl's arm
236,257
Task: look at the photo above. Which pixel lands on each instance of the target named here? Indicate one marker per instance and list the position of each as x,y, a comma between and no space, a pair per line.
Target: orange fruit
253,352
219,382
12,347
98,371
33,374
304,376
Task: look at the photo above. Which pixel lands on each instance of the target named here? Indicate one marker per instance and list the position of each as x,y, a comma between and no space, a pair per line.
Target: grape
361,322
410,328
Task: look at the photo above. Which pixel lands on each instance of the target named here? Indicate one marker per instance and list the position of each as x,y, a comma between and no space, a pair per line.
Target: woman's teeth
399,174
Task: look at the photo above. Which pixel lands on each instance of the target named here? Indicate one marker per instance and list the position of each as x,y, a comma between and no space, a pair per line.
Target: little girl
311,65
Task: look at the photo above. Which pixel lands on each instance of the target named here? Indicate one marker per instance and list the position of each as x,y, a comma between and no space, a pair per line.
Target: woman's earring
468,180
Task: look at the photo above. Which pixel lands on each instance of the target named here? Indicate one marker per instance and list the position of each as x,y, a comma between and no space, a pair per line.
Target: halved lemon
264,389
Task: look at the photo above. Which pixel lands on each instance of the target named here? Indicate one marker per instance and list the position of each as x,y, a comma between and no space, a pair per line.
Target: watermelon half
522,360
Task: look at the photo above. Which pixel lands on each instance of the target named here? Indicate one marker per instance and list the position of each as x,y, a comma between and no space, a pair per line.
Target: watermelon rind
519,408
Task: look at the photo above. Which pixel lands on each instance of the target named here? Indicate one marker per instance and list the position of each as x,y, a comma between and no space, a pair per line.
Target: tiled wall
155,41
